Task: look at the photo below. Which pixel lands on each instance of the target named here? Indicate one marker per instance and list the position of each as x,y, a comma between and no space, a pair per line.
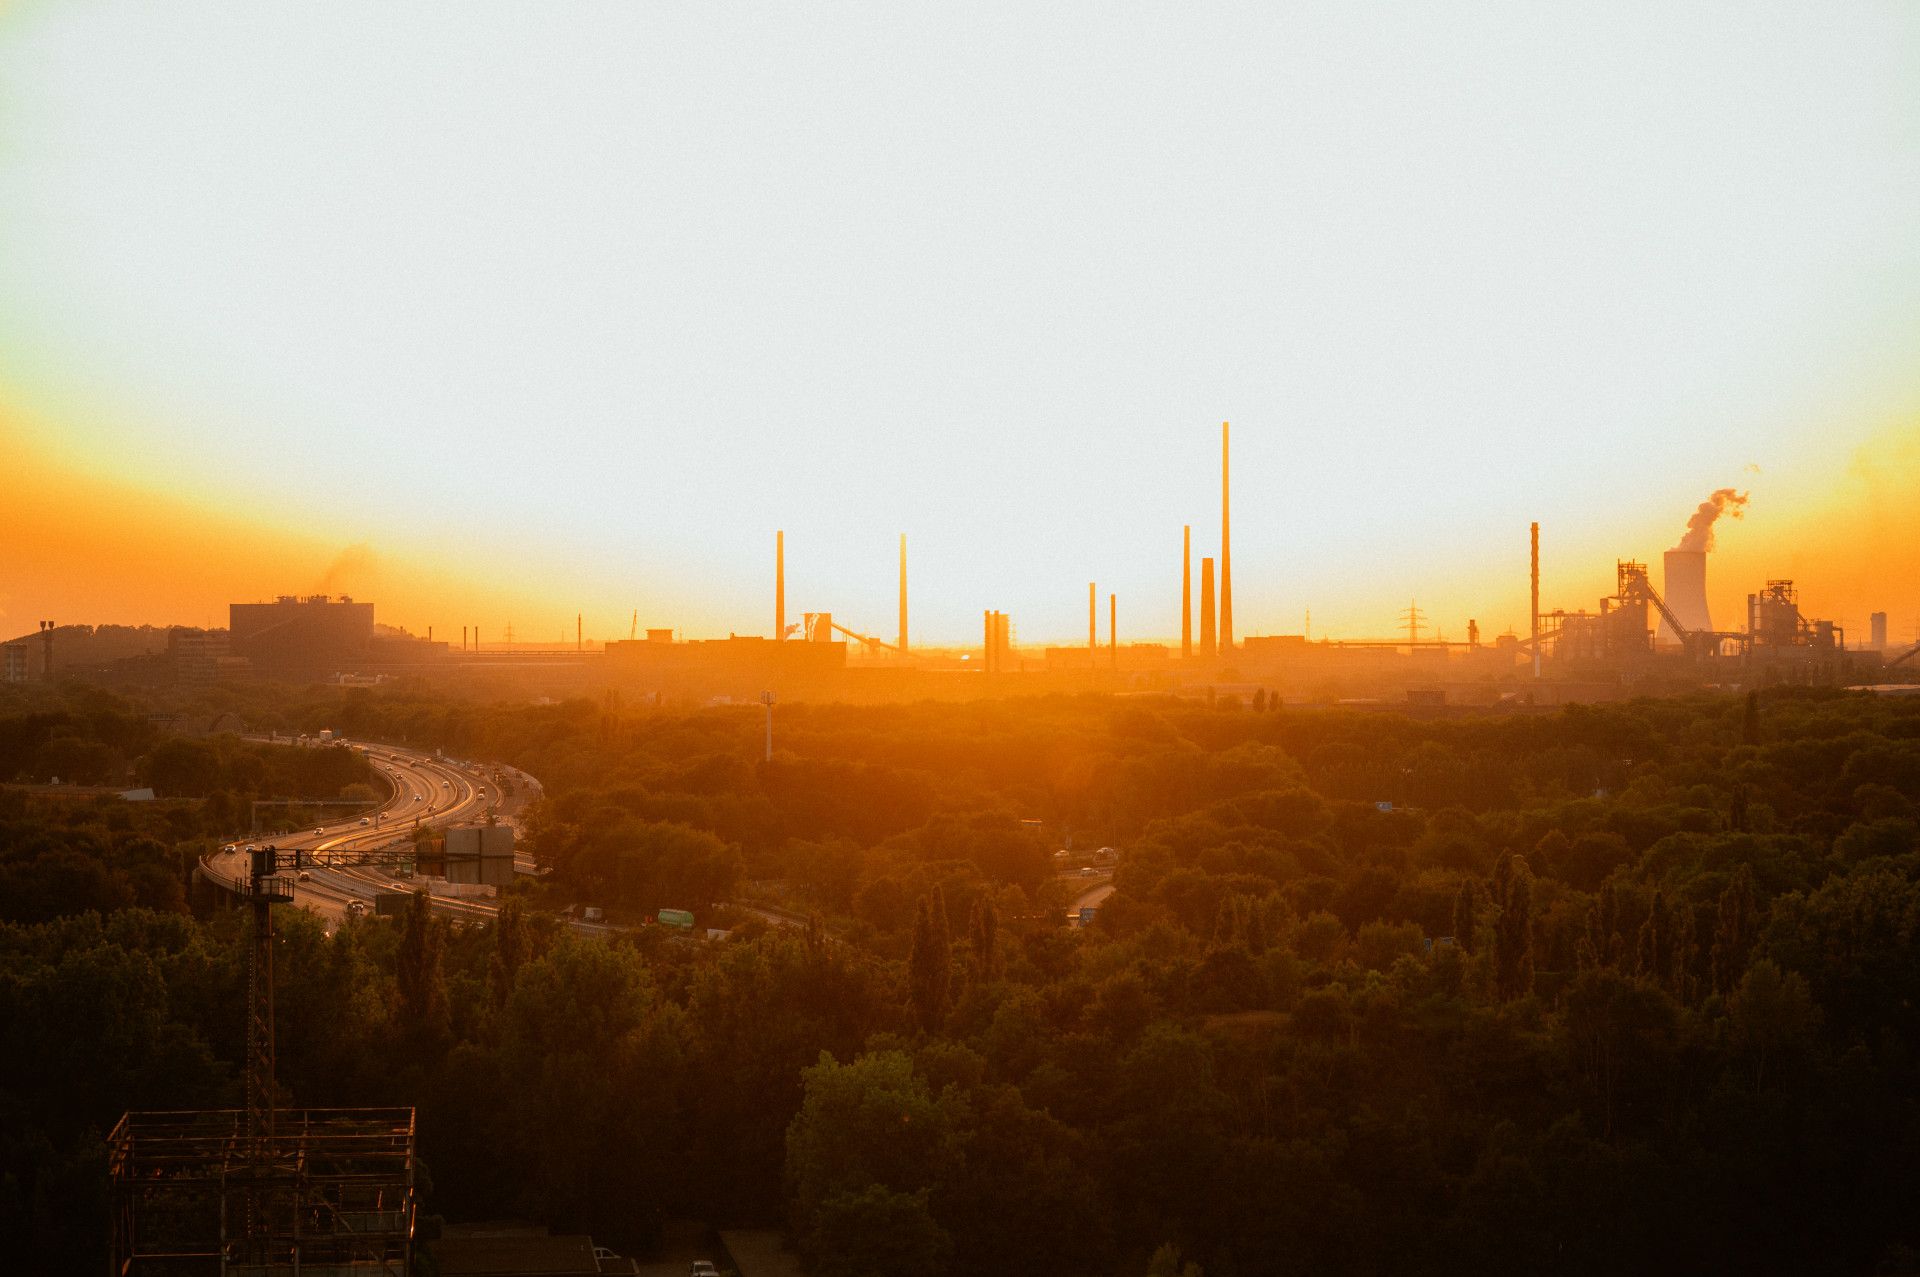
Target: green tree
1736,925
930,962
1512,891
418,974
876,1232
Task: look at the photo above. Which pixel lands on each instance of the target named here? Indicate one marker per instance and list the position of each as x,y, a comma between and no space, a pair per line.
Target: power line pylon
1413,618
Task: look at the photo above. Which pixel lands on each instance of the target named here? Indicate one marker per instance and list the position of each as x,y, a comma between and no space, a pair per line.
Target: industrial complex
1642,637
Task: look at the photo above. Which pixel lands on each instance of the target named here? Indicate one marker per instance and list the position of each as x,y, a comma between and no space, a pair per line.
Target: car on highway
703,1268
366,820
356,908
318,831
304,876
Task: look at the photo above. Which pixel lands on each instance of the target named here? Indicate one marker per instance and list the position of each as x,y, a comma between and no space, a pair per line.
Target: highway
426,791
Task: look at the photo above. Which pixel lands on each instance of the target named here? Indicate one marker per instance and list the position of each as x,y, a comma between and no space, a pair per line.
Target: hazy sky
568,307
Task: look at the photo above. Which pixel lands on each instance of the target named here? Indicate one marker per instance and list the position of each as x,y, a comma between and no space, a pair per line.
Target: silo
1685,592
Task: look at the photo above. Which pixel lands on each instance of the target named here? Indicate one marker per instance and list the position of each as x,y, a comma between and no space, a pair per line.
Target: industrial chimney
1093,624
1685,592
1186,590
1206,608
1226,552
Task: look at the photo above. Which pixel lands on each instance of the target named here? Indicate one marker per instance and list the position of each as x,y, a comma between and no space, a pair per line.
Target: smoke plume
351,565
1699,535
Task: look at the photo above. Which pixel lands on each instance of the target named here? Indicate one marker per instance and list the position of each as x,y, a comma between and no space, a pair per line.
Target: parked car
703,1268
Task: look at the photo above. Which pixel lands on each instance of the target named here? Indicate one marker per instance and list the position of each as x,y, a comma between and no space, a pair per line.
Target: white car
703,1268
319,832
366,820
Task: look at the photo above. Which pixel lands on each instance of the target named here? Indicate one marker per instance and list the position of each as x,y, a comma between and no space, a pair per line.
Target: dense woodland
1609,989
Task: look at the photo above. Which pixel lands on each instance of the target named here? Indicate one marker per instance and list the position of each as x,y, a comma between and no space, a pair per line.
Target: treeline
1628,988
62,855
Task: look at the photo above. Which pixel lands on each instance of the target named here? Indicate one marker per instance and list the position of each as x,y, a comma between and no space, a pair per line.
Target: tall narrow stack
1226,551
1207,647
1186,590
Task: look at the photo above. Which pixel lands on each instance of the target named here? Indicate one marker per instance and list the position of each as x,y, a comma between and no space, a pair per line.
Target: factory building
200,657
316,634
16,663
737,666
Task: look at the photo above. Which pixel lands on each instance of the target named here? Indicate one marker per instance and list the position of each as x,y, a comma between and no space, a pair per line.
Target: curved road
426,791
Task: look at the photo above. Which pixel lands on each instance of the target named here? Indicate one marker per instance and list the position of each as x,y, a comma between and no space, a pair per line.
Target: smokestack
903,594
1535,630
463,638
429,634
578,645
1685,593
1186,590
46,643
1207,647
1093,623
1226,552
780,587
1113,630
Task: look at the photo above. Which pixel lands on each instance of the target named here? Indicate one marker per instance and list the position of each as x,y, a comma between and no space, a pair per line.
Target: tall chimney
1536,599
903,594
46,642
429,634
1207,646
1186,590
578,645
1226,552
1093,623
780,587
463,638
1113,630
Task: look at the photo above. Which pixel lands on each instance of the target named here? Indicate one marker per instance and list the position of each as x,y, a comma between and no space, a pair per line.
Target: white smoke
1699,534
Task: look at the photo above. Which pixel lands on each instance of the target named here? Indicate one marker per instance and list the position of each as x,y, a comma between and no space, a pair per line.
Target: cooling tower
1685,592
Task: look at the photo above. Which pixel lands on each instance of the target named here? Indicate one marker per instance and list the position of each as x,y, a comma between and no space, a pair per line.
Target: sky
497,314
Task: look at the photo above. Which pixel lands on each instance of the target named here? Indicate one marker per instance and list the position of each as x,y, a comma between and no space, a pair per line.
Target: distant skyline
500,314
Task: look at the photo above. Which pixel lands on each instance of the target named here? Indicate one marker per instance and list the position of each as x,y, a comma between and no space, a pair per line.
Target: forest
1627,987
